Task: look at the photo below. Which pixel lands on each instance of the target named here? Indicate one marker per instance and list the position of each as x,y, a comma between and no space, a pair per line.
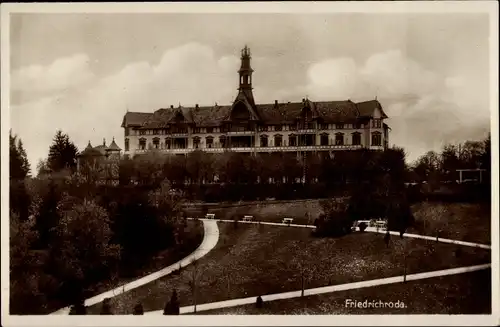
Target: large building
100,163
245,126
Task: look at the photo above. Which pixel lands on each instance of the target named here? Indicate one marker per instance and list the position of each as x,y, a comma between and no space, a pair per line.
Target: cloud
188,74
62,74
425,108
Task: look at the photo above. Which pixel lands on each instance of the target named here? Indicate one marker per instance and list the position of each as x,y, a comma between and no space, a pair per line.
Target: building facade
100,163
248,127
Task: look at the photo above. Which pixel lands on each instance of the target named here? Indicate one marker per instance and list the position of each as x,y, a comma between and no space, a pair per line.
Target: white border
490,7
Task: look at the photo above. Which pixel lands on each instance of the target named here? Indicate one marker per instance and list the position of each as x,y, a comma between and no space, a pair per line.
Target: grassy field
253,260
262,211
461,221
159,261
468,293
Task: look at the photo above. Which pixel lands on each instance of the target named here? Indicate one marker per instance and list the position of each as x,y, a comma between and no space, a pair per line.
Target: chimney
104,142
303,100
196,106
275,103
171,106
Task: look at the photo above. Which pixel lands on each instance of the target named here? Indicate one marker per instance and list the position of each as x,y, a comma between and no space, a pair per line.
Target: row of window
294,140
376,123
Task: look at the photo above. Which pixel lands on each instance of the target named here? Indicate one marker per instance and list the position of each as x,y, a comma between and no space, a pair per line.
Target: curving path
341,287
325,289
210,239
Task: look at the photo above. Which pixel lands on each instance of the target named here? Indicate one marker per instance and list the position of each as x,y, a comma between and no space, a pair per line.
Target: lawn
253,260
468,293
263,211
460,221
162,259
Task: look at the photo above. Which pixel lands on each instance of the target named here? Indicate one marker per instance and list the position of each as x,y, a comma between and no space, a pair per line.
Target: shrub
138,309
106,307
259,303
362,226
78,308
172,307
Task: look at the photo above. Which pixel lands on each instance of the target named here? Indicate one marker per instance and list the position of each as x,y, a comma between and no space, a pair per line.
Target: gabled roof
135,118
366,108
272,113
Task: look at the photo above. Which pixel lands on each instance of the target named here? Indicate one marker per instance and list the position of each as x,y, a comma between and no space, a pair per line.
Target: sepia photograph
250,163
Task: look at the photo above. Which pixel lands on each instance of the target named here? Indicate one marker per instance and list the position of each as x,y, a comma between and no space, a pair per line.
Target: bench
247,218
381,224
210,216
287,220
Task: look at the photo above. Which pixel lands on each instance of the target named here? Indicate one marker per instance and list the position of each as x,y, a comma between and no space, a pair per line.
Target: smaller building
100,163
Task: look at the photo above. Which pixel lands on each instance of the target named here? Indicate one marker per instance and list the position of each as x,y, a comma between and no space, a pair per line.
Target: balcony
229,133
306,131
268,149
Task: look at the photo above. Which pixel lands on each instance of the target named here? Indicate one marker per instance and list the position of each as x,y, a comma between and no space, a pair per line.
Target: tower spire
245,74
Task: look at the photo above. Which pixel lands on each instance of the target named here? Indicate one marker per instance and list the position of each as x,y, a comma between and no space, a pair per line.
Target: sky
81,72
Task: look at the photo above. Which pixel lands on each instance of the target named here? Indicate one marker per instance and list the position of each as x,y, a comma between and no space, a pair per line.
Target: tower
245,73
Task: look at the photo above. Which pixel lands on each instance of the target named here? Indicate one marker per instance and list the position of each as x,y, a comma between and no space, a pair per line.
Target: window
357,125
263,128
222,141
142,144
376,139
263,141
376,123
278,128
356,138
324,126
278,140
156,143
339,126
210,141
293,127
127,144
126,131
339,139
324,139
197,130
210,129
142,132
168,143
292,140
196,142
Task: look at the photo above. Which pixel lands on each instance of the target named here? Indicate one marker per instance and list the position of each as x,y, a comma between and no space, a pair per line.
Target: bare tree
299,262
193,283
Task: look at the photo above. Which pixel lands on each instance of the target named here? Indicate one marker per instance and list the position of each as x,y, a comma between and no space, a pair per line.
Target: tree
82,248
138,309
193,283
300,262
19,164
106,307
172,307
62,153
42,168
